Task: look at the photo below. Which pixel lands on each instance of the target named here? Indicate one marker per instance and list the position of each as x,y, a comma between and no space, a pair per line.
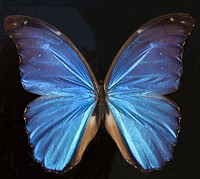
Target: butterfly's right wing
143,122
59,123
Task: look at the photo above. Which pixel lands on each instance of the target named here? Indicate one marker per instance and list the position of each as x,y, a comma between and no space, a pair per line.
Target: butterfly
131,101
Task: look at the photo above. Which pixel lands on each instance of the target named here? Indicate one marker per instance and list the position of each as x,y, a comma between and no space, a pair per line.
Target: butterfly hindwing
148,66
56,126
60,122
149,126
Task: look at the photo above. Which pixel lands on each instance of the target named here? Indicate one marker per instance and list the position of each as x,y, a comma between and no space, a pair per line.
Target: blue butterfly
131,102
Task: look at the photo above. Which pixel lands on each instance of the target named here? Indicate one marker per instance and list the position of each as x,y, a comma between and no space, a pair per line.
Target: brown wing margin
90,132
116,135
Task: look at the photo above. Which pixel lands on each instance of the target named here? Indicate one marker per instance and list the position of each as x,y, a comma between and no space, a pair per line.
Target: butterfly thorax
101,107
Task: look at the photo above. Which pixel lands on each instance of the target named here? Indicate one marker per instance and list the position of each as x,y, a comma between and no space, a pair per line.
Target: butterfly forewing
150,60
48,57
148,66
59,123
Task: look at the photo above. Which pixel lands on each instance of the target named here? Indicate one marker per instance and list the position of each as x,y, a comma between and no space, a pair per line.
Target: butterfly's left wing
60,122
143,122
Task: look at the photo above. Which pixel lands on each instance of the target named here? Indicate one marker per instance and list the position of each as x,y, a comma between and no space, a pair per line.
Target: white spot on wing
57,32
25,22
161,53
182,22
14,23
171,19
139,31
39,55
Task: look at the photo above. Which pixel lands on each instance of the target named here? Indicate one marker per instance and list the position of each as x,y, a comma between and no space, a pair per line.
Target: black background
98,28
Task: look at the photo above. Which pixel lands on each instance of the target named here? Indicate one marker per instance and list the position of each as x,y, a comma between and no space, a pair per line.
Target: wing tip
184,19
13,22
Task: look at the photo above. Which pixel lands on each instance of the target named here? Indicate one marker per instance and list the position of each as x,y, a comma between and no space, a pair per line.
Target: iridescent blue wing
147,67
48,58
149,127
59,123
60,129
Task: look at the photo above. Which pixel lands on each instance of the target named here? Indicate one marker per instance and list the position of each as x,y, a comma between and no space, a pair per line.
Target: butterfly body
130,102
101,108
